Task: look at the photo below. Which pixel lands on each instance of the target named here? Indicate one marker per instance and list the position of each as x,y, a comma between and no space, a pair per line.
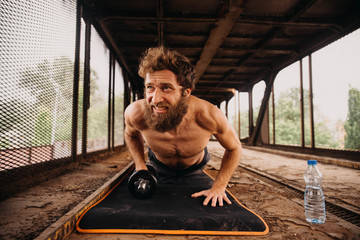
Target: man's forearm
229,163
135,145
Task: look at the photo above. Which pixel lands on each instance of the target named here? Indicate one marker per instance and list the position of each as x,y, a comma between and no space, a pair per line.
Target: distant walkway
339,183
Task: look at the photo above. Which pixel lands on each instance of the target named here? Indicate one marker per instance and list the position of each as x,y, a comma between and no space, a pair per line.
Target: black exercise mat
171,210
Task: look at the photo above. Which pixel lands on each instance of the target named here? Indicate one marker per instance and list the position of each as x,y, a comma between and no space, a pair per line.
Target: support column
302,105
251,113
239,116
273,112
311,105
256,132
75,103
113,106
227,109
109,101
86,96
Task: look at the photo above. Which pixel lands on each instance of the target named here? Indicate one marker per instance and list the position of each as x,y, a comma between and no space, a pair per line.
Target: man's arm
226,136
133,138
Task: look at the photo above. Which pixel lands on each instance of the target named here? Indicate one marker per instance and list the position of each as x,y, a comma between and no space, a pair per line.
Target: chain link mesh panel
36,83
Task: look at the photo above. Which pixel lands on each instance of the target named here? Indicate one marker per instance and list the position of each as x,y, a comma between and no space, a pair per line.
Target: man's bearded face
163,122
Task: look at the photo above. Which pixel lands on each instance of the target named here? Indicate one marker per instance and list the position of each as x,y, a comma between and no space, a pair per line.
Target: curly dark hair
161,58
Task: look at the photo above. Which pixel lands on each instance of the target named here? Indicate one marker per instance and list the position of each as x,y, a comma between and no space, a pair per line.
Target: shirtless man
176,125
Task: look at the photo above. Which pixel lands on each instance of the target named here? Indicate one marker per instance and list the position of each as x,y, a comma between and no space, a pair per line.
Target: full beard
166,121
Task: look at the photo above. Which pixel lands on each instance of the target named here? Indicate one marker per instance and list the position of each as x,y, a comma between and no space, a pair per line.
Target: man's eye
167,88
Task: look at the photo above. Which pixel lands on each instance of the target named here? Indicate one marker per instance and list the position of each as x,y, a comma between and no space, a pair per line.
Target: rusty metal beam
278,51
302,114
114,45
75,102
265,21
212,89
228,81
256,131
273,113
86,86
217,37
251,113
296,13
210,96
159,12
311,104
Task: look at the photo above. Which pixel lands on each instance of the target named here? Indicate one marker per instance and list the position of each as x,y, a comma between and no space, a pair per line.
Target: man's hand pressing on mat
216,195
217,192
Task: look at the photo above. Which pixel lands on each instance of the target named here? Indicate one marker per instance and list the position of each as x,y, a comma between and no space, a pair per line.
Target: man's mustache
160,105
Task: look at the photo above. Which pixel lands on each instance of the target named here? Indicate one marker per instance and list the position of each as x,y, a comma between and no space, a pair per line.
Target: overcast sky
336,67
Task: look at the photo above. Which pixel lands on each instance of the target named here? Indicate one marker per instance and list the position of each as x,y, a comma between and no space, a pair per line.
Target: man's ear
187,92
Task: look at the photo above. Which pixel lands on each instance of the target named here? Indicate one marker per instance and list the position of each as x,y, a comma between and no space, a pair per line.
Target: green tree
42,127
244,124
46,113
93,95
98,111
12,122
50,84
288,121
9,116
119,116
287,118
352,124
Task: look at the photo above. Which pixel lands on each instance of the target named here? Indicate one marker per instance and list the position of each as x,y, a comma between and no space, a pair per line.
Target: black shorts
177,176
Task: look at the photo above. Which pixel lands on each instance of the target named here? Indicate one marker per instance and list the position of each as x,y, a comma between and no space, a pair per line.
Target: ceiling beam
114,45
201,89
265,21
224,82
296,12
217,37
276,22
204,96
159,12
279,50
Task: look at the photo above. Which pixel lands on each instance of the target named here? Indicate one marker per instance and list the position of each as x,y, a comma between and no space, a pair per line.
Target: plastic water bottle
314,195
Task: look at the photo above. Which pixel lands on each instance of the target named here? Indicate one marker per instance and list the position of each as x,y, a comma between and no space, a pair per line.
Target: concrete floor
284,216
27,214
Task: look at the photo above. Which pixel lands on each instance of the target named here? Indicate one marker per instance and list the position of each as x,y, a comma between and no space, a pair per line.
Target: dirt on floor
27,214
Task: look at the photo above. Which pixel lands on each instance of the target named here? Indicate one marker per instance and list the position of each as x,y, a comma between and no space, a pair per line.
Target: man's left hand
213,195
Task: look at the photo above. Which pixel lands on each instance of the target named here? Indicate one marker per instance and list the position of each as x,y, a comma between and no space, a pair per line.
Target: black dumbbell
142,184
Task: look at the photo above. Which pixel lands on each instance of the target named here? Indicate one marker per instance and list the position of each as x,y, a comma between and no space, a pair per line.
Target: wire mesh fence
36,82
36,79
36,88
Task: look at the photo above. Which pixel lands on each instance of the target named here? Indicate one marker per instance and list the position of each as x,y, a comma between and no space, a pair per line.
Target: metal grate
36,82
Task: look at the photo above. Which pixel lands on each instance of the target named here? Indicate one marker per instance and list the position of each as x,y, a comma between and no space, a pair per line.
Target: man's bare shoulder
202,106
206,114
134,113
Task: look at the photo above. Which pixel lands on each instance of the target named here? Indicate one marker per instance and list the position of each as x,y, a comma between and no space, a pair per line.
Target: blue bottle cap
312,162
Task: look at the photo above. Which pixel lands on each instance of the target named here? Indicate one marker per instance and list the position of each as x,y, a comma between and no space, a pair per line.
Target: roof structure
233,44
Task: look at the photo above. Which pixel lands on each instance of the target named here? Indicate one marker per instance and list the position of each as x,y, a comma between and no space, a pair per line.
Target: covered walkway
44,209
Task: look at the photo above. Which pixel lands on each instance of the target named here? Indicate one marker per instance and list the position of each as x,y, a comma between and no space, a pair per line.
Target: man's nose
157,96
